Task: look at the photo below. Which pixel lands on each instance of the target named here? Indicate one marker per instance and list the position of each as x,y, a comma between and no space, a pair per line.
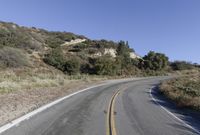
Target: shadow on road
180,127
189,116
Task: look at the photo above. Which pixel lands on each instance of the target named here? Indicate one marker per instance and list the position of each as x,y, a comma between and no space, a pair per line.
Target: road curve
119,108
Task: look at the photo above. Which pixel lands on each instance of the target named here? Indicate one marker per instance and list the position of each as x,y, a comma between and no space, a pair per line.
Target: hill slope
27,47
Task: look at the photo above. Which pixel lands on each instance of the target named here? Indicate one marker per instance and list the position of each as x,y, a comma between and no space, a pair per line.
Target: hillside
32,49
32,58
27,47
32,43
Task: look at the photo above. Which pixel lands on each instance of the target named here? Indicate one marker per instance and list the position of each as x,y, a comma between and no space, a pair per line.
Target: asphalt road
119,108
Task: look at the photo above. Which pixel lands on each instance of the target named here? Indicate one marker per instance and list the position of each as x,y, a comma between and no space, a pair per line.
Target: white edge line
170,113
17,121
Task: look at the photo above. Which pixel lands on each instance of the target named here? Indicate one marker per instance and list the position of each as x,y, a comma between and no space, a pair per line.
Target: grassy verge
185,91
11,81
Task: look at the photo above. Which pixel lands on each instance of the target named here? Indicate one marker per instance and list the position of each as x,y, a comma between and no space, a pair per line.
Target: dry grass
23,90
11,81
185,91
26,79
13,57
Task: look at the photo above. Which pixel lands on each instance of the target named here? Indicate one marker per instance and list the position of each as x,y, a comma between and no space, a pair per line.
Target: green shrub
54,42
80,46
55,39
155,61
72,66
181,65
101,44
55,58
105,65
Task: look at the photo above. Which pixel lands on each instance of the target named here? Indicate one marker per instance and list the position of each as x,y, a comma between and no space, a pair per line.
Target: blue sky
168,26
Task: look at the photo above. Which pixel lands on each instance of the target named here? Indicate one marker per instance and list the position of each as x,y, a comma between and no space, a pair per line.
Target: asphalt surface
134,113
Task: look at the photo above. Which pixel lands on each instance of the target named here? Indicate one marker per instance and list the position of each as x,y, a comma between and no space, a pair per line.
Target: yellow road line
111,127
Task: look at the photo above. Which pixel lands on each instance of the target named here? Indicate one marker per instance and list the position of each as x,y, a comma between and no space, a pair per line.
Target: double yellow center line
110,126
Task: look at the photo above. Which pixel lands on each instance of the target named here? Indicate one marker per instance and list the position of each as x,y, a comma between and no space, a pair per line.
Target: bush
181,65
101,44
105,66
155,61
55,39
72,66
54,42
81,46
12,57
55,58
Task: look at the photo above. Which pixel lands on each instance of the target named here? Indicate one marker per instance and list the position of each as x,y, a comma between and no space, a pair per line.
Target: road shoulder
188,117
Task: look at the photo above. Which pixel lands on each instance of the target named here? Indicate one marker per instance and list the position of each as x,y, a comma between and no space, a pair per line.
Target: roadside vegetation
29,79
12,80
121,65
184,90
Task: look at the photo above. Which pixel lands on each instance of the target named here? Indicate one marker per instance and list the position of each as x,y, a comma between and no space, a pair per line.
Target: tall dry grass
10,81
22,79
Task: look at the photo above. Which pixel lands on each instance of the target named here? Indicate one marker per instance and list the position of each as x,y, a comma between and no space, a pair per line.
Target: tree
123,49
123,53
155,61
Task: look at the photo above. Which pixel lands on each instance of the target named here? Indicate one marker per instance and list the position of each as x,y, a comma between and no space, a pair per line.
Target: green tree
123,49
123,54
155,61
